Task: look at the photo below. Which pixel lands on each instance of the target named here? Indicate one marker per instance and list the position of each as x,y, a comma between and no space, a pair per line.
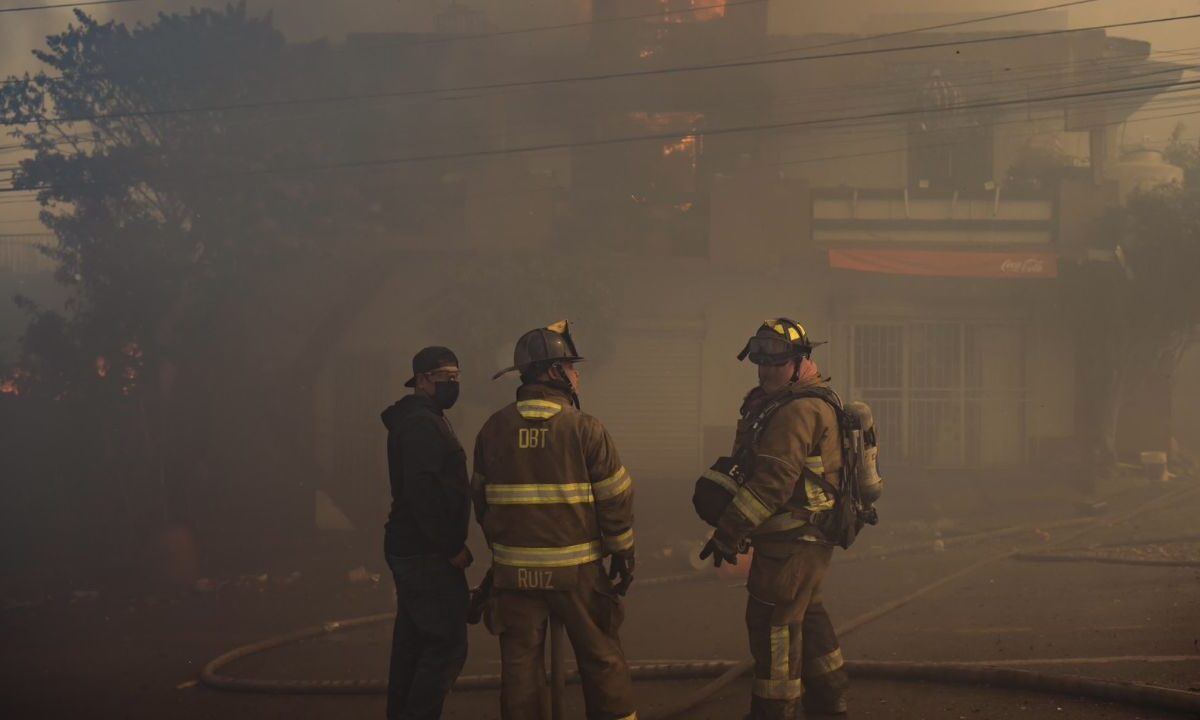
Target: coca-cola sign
1027,266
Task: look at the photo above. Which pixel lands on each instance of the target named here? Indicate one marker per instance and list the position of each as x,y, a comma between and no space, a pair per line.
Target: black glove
478,599
720,552
621,565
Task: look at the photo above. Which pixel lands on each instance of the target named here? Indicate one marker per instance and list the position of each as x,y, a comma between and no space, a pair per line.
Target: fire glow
679,12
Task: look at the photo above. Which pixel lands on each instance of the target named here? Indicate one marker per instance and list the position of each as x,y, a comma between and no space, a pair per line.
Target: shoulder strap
844,419
759,424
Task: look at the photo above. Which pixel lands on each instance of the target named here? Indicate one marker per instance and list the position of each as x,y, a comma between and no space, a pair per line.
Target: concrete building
917,210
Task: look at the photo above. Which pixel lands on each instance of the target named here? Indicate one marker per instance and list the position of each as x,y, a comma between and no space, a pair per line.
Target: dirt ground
137,655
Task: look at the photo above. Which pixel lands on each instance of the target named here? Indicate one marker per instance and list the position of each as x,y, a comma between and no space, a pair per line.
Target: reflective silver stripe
613,485
826,663
538,409
815,463
778,689
721,479
781,646
751,507
619,543
540,494
546,557
630,716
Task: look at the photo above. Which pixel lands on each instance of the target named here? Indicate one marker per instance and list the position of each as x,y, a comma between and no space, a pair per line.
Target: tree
1138,315
1184,154
157,165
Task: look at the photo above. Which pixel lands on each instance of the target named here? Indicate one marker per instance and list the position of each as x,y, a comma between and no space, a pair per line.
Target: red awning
936,263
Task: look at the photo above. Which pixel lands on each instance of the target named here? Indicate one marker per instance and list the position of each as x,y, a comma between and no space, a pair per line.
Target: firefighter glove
621,565
719,551
478,599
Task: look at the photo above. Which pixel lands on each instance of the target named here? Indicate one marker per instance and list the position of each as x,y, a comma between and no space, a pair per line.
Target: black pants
429,640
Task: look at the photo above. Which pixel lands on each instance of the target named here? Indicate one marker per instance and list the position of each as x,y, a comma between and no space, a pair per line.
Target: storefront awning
936,263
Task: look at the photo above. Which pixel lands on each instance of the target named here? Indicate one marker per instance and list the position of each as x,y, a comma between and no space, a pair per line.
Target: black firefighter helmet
543,347
777,341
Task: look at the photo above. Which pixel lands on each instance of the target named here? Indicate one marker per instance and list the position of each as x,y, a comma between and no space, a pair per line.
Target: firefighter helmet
777,341
543,346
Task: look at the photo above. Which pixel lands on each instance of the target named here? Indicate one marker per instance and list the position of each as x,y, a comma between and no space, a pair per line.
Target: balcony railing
931,216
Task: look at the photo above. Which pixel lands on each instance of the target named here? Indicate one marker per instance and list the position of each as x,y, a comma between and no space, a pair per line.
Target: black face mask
445,394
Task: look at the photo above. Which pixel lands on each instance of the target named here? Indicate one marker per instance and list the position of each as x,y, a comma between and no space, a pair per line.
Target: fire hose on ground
725,672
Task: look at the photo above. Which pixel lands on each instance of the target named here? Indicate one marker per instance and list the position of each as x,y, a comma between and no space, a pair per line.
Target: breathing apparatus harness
776,342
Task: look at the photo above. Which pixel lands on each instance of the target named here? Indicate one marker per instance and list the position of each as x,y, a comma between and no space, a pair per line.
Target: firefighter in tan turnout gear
792,459
554,500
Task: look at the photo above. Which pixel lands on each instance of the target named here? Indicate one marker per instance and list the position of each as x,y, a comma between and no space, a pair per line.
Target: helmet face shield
776,342
764,350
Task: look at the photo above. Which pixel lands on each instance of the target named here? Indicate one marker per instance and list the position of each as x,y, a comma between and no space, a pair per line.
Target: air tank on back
870,484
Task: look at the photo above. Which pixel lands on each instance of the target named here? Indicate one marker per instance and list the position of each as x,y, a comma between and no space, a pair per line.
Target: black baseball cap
431,359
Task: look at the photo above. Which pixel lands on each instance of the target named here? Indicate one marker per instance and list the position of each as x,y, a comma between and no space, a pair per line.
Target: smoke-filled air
600,359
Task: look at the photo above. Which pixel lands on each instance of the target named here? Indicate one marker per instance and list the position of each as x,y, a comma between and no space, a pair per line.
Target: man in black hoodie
425,540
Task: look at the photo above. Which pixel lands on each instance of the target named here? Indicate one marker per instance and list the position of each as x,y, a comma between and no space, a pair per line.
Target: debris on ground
360,575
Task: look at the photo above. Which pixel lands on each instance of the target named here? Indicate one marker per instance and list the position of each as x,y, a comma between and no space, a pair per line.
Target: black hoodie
431,502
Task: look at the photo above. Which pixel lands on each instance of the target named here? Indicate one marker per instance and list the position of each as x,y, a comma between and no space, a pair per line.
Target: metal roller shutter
647,393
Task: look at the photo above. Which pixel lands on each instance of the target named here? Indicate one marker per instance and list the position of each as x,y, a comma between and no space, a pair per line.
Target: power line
587,23
608,189
814,93
1026,75
494,34
283,102
668,12
1010,100
1182,86
928,28
710,132
91,3
779,61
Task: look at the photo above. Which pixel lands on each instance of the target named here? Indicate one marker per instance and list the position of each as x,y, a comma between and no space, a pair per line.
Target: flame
647,52
101,366
676,12
9,387
685,145
666,120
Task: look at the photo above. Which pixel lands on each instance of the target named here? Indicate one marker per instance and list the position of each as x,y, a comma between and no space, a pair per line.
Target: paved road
110,658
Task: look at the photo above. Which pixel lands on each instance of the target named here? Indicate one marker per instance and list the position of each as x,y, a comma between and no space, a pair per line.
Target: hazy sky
307,19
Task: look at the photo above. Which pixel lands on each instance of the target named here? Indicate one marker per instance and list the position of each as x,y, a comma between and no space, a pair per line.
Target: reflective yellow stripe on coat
721,479
538,409
613,485
751,507
539,494
546,557
619,543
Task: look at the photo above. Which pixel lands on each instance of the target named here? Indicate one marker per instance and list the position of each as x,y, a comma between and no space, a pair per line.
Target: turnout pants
591,614
795,649
429,639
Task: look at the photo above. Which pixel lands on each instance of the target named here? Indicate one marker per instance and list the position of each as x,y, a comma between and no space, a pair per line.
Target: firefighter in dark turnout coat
554,500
